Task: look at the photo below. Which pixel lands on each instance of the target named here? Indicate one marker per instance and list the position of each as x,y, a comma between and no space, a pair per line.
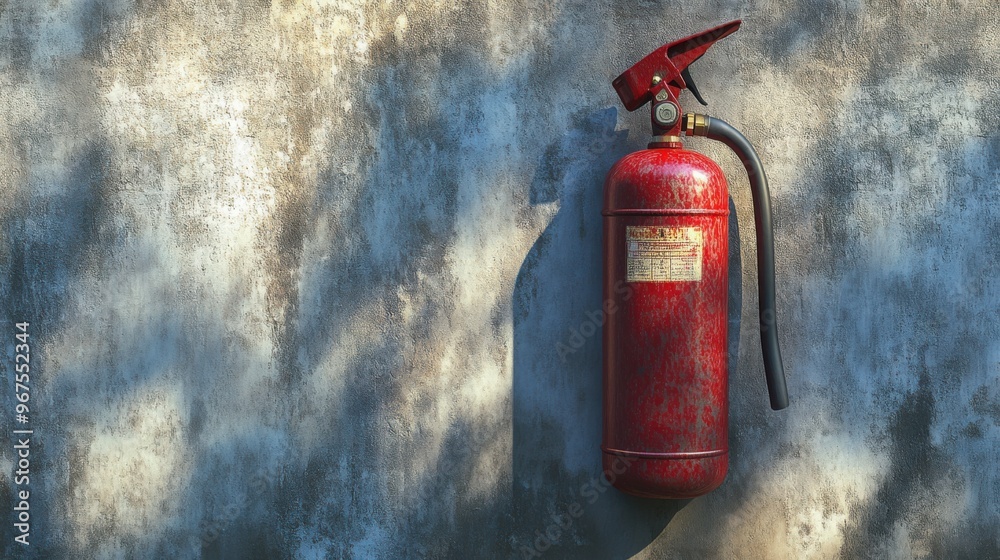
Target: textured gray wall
297,273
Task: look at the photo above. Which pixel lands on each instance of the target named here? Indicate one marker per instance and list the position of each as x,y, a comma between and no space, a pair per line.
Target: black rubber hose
774,371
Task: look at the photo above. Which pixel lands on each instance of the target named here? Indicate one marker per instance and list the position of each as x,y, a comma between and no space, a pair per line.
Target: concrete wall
296,273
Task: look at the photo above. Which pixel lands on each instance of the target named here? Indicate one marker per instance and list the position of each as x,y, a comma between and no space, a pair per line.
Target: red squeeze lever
663,73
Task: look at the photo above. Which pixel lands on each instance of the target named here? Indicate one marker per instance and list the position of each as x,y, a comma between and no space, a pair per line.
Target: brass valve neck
665,141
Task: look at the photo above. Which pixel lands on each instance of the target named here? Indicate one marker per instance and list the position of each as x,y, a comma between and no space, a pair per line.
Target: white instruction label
664,254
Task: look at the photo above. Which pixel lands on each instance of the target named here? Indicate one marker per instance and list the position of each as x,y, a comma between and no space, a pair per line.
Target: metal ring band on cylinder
665,212
674,455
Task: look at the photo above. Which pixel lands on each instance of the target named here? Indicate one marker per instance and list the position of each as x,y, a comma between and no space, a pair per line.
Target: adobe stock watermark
590,492
600,143
579,335
767,320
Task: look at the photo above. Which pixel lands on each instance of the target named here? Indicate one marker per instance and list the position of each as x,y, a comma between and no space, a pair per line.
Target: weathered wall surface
297,272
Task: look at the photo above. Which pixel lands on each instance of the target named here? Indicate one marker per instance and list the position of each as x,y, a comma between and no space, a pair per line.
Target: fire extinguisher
666,386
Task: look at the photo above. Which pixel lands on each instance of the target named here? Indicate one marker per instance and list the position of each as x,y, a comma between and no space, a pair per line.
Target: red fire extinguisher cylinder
665,348
665,362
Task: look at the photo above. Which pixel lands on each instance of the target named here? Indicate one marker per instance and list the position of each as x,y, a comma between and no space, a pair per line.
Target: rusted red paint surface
666,395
